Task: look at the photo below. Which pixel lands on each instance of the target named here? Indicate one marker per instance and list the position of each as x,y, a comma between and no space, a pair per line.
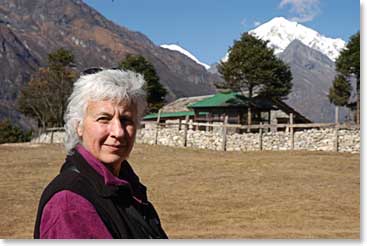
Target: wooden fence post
39,135
185,130
179,124
261,137
157,127
207,121
291,130
336,139
52,136
224,132
336,114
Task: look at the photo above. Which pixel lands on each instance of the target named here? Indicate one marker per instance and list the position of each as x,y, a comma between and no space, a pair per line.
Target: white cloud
304,10
257,23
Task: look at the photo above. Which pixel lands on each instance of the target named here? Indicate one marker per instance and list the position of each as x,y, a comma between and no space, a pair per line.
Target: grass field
208,194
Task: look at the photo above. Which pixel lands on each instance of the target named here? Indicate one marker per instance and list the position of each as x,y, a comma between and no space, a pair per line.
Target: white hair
110,84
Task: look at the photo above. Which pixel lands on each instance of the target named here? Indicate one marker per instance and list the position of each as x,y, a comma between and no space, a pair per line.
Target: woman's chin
112,159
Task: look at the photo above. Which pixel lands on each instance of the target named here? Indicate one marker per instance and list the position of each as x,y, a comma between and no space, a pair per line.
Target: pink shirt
68,215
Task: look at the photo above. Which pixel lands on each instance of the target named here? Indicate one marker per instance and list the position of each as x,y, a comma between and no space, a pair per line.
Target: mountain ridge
313,73
280,32
31,30
175,47
43,26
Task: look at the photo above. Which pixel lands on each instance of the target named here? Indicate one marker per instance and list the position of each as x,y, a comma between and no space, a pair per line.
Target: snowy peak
178,48
280,32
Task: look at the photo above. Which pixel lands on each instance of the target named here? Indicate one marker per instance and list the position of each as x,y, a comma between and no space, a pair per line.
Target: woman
97,194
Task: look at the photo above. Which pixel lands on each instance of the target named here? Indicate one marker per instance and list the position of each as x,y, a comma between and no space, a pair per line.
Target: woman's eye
127,121
102,119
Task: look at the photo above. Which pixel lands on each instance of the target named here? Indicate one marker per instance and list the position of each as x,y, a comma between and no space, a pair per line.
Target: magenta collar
99,167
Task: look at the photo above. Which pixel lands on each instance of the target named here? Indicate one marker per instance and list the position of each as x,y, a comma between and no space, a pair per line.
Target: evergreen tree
155,91
45,96
280,85
339,93
348,66
252,68
12,134
61,80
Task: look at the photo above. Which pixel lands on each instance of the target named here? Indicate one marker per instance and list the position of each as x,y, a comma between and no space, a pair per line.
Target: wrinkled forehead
107,105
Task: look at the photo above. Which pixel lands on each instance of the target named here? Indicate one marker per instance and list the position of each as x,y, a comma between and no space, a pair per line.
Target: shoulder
67,200
67,188
62,205
69,215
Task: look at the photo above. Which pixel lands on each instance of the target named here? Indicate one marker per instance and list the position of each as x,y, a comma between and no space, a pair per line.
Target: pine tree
252,68
155,91
339,93
9,133
348,65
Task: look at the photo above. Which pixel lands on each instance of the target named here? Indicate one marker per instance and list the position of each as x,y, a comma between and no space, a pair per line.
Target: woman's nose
117,129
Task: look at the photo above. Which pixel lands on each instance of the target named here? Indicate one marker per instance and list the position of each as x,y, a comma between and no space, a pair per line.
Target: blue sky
207,28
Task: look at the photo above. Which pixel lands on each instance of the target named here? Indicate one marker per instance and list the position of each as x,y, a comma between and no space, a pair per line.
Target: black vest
122,215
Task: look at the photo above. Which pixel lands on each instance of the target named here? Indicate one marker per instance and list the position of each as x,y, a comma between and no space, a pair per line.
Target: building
214,108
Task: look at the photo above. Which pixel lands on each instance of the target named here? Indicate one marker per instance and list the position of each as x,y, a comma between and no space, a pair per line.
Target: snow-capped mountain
311,58
280,32
178,48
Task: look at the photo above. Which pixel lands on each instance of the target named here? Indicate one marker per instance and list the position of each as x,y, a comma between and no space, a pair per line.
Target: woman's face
108,131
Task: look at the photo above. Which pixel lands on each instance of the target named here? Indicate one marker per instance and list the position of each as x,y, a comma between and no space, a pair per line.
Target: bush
12,134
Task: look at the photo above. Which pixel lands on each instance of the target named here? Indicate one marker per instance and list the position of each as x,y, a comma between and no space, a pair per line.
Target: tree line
45,96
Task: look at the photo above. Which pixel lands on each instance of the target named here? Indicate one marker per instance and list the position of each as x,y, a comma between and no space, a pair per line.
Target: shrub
12,134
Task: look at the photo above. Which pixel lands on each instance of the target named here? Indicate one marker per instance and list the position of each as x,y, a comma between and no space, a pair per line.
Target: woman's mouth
115,147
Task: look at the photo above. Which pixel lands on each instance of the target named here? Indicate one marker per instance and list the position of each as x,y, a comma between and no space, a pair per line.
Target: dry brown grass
208,194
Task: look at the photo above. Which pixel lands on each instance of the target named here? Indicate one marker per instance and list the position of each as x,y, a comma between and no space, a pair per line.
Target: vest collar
99,167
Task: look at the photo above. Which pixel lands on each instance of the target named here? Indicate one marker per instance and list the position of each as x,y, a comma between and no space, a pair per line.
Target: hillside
313,73
29,30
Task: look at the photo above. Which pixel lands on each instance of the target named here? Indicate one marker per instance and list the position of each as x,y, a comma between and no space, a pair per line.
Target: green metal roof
171,114
223,99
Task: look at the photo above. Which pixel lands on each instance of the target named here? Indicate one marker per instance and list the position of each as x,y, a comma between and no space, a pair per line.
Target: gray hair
111,84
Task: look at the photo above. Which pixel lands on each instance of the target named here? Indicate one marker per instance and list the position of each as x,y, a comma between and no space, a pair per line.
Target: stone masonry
312,139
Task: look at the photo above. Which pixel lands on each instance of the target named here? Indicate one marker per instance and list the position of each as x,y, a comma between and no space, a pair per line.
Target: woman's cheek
102,132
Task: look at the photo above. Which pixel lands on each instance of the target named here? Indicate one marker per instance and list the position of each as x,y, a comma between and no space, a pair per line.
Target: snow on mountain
280,32
175,47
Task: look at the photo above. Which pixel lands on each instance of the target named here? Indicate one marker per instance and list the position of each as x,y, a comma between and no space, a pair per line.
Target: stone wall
312,139
50,137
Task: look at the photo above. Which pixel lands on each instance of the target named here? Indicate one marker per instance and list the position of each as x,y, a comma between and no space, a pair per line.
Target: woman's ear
79,129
